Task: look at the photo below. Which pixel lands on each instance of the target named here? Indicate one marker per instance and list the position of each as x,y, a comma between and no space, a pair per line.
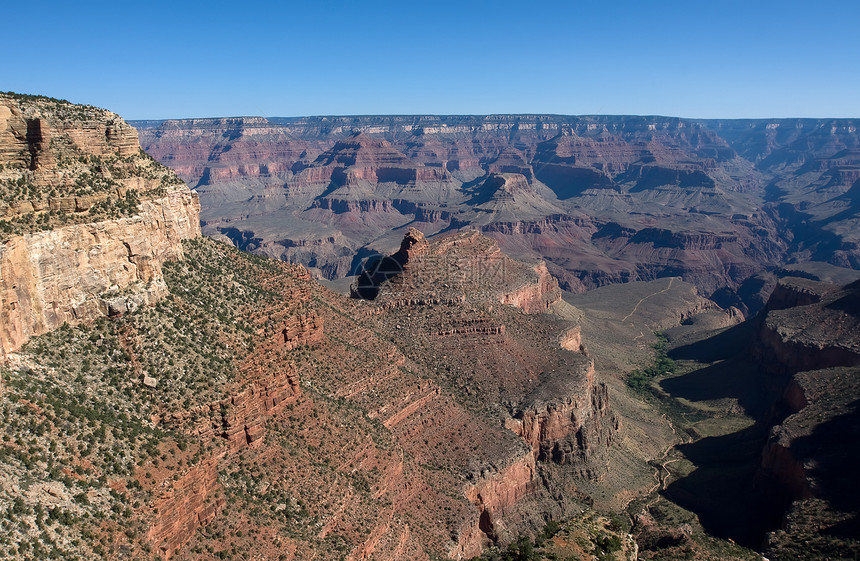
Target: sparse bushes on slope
79,452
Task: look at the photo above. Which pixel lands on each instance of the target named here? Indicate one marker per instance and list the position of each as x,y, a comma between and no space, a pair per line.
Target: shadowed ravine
725,489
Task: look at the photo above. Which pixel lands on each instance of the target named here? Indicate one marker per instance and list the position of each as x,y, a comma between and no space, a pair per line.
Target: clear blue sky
754,58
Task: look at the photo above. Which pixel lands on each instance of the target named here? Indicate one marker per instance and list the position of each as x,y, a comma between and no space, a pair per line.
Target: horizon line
485,115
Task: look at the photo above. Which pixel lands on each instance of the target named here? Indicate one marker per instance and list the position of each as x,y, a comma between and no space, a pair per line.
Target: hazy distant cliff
602,199
87,218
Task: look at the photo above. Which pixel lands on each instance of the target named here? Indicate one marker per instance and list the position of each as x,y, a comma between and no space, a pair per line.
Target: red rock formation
302,329
566,426
413,246
571,340
535,297
672,185
239,419
63,274
183,506
494,494
231,424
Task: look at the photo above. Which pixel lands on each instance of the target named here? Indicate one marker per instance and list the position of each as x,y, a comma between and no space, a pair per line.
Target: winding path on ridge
636,307
661,471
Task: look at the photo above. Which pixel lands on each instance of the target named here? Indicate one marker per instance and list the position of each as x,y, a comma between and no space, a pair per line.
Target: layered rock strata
98,265
601,199
457,290
82,272
184,506
566,425
810,337
820,334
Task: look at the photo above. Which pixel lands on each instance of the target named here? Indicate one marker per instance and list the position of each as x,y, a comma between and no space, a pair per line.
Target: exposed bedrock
185,505
537,296
77,160
783,350
567,421
65,275
715,202
495,494
808,342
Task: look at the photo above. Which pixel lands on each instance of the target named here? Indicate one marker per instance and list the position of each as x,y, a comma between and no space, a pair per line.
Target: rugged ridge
475,306
553,420
82,272
825,335
282,418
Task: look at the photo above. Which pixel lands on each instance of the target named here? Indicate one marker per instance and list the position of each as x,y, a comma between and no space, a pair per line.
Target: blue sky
151,60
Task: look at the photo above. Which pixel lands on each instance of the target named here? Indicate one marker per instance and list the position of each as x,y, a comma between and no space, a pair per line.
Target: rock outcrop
494,494
809,337
537,296
82,165
566,425
82,272
185,505
791,292
820,332
475,307
303,329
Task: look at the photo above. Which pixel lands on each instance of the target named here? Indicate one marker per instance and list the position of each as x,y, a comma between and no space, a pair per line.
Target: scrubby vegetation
60,109
58,178
584,537
93,189
78,449
639,379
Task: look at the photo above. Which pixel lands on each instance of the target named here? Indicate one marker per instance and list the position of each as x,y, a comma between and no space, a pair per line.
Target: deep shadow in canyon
726,489
832,451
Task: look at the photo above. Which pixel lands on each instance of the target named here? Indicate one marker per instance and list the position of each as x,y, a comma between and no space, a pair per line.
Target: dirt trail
661,471
636,307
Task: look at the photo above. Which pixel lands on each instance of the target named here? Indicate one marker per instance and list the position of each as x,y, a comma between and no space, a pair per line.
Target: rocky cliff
809,335
184,506
819,332
467,300
557,421
90,219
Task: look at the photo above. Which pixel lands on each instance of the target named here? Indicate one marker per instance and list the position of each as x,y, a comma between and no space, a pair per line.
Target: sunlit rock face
93,224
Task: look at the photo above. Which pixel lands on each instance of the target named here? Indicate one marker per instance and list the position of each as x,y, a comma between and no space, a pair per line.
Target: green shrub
639,380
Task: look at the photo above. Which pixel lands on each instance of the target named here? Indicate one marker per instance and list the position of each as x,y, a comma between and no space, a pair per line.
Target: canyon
170,396
365,419
177,384
602,199
97,265
767,406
